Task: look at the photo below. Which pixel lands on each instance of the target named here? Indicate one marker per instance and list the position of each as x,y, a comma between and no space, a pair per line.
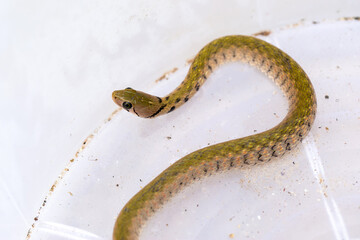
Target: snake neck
277,65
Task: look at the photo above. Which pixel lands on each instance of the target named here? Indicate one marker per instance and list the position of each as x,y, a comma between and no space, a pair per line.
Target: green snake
251,150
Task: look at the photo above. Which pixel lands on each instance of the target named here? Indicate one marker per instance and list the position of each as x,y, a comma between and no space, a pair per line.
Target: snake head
140,103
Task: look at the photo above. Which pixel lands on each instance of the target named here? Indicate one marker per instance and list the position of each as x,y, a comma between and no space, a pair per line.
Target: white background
60,61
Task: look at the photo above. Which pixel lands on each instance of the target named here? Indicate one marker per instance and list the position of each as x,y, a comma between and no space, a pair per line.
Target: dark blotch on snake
171,109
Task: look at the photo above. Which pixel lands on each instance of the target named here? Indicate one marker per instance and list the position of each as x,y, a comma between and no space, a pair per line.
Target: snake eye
127,106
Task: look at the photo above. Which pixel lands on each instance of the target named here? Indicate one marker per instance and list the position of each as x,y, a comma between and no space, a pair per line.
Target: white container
61,64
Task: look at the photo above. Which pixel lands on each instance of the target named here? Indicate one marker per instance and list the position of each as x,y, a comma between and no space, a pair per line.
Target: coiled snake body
255,149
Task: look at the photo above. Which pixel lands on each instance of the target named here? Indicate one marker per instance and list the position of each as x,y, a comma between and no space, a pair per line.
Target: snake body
251,150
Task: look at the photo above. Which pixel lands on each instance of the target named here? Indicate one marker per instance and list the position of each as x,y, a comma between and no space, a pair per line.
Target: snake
251,150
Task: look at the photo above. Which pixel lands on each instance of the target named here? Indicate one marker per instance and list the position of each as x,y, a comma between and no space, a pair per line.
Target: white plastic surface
59,77
312,193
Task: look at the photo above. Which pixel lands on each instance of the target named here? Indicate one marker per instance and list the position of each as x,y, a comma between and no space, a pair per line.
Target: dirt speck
263,33
166,75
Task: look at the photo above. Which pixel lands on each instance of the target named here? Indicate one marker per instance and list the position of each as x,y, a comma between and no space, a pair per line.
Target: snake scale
251,150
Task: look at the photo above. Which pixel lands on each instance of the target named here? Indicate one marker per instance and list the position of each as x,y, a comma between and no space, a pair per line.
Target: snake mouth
116,99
